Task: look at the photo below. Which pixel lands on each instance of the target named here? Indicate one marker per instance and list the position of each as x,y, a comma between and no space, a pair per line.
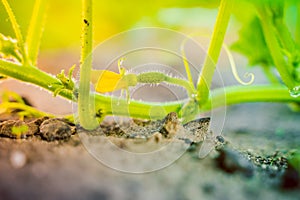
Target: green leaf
17,31
9,48
294,160
66,83
35,29
251,43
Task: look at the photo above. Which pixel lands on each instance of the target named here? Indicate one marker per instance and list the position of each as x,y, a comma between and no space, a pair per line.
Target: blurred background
110,17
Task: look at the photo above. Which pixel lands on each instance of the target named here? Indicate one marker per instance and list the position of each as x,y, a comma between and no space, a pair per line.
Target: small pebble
56,129
17,159
264,166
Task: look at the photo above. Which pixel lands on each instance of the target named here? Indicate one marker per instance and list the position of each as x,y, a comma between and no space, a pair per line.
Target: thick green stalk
247,94
136,109
207,72
32,75
17,31
35,29
113,105
86,108
234,95
274,47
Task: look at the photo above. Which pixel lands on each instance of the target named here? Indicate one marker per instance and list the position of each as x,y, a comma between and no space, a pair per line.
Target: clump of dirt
272,169
45,128
168,128
56,129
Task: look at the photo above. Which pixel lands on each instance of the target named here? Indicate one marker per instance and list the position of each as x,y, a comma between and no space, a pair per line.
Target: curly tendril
234,70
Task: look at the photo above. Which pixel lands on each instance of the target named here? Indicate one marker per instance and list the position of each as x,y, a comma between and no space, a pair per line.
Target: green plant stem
17,31
234,95
86,107
274,47
136,109
32,75
112,105
248,94
35,29
207,72
186,84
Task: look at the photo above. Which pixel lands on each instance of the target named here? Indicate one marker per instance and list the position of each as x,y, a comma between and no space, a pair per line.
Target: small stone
198,128
274,167
264,166
18,159
220,139
56,129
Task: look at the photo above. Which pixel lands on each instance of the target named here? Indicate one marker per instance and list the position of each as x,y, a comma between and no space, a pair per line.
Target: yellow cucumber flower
108,81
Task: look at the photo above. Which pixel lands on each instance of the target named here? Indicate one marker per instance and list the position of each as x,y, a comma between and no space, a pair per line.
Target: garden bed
33,168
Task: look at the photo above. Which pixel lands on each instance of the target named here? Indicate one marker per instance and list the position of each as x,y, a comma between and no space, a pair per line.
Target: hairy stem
17,31
183,83
207,72
32,75
114,106
86,107
234,95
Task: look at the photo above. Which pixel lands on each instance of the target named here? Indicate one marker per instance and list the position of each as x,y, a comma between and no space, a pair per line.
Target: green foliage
294,160
268,27
9,48
17,30
12,102
35,29
252,44
266,40
66,83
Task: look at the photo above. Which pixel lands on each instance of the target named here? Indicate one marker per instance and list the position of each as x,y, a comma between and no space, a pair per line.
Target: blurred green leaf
295,160
35,29
9,48
62,28
251,43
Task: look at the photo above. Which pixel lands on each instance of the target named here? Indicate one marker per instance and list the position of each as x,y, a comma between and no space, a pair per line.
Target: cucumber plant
273,46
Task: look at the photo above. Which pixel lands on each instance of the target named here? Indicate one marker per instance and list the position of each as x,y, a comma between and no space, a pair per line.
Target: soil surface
53,159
